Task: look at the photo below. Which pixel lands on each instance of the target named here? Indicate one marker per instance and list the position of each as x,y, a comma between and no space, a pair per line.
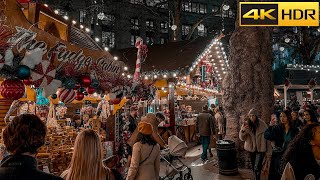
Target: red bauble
79,96
85,81
12,89
115,101
28,81
90,90
76,87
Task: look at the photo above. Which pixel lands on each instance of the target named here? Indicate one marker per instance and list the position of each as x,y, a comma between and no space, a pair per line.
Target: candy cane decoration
141,55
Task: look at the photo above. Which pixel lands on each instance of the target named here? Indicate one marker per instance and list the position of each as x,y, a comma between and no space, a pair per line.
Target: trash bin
227,155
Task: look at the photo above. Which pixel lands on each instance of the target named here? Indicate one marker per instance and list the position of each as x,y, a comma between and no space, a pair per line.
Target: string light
74,22
106,48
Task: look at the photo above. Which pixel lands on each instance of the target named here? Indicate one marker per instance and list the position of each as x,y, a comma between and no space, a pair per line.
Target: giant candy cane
141,55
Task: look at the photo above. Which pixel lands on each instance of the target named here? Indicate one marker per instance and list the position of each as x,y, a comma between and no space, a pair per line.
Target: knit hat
145,128
253,111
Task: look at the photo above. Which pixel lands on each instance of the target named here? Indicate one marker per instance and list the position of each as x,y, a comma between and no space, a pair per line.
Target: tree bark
248,83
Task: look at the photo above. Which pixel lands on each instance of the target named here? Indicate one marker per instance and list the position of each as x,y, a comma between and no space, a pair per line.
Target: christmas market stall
52,68
187,75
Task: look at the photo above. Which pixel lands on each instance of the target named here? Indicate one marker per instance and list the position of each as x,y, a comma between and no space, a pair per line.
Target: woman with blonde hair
86,162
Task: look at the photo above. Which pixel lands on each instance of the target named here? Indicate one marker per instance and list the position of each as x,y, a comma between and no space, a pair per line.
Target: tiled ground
207,171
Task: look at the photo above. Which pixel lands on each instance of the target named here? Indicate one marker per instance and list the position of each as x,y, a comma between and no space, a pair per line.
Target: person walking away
296,122
145,163
204,128
302,158
23,136
280,135
220,123
252,133
87,159
133,119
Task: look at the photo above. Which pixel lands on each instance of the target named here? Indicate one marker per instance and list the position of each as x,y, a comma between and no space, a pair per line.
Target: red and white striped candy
67,95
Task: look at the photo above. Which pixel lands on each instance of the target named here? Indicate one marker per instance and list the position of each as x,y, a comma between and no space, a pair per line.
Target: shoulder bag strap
147,157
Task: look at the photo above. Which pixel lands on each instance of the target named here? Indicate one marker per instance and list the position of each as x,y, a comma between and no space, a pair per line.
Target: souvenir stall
43,73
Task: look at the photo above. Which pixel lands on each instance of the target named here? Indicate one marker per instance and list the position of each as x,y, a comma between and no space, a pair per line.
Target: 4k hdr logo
279,14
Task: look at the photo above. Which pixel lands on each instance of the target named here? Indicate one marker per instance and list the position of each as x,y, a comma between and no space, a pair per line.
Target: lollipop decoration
66,95
141,55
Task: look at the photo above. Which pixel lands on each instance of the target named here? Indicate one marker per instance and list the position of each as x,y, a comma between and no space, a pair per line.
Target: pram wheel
188,176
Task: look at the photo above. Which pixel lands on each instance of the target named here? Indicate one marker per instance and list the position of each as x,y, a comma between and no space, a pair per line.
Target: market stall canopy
169,57
28,38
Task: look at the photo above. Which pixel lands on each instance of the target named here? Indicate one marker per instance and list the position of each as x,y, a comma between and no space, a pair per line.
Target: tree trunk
248,83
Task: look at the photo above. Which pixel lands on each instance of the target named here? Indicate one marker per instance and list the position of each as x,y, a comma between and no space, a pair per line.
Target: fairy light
74,22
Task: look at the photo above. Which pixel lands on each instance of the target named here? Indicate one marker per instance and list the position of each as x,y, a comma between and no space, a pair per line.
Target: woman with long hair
302,158
252,133
145,162
86,162
309,117
280,135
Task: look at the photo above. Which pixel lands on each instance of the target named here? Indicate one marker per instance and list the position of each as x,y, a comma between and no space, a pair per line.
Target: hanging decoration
141,56
312,83
27,81
12,89
66,95
79,96
69,83
90,90
23,72
85,80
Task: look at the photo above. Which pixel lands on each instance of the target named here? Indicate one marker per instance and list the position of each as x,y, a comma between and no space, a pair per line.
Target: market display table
186,132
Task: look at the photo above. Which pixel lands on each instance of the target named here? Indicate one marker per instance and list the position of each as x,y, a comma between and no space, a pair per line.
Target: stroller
177,148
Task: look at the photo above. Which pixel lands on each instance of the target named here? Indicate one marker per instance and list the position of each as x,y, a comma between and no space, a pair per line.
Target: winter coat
275,133
150,166
290,174
220,122
204,124
254,142
22,167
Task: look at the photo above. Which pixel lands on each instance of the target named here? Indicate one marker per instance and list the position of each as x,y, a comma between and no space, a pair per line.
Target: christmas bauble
79,96
12,89
28,81
115,101
66,95
69,83
23,72
95,83
82,89
85,81
77,86
54,96
90,90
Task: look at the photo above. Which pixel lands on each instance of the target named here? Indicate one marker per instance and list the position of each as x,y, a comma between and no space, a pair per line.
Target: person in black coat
23,136
280,135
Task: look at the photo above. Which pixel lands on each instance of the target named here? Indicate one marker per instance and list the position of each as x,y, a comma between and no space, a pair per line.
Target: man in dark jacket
22,138
204,128
133,119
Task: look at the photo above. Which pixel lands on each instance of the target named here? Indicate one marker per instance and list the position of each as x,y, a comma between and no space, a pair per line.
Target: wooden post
171,108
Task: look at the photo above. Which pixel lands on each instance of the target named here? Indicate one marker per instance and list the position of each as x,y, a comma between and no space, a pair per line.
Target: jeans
256,163
205,141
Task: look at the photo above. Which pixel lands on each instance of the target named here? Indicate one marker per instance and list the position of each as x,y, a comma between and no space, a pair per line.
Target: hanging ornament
66,95
12,89
94,83
82,89
79,96
287,82
69,83
85,81
54,96
90,90
115,101
85,93
23,72
77,86
27,81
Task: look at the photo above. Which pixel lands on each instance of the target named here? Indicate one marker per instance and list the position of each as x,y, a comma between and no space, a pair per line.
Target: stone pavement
208,170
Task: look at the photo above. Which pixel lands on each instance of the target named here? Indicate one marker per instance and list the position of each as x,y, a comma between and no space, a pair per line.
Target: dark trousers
205,141
256,163
274,172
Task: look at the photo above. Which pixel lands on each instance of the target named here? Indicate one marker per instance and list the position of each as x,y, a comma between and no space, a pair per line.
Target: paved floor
208,170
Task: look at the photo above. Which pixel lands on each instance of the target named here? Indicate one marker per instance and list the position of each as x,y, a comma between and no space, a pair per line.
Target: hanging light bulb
287,40
226,7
